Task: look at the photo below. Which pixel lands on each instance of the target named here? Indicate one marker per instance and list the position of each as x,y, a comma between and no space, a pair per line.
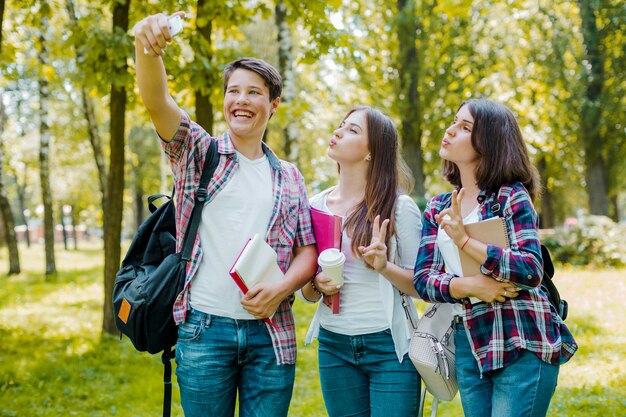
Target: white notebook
256,263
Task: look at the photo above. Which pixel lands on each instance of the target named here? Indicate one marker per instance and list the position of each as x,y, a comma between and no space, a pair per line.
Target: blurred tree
88,106
8,221
113,209
591,113
44,137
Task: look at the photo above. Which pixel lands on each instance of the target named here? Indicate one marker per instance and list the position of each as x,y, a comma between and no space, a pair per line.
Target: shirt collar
226,147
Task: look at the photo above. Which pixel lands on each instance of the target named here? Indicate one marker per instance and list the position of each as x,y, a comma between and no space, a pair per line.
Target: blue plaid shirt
499,331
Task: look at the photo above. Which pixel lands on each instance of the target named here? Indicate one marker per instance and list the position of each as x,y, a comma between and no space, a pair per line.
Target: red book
256,263
327,231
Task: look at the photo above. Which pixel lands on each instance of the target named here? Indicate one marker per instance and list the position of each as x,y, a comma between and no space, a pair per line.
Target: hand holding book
254,269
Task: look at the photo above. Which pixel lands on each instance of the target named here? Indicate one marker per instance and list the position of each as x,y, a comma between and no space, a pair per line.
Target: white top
241,209
450,251
382,298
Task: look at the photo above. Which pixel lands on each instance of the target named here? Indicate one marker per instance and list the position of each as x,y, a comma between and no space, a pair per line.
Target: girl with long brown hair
363,360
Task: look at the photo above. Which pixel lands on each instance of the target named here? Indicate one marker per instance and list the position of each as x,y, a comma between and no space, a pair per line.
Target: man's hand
153,32
263,299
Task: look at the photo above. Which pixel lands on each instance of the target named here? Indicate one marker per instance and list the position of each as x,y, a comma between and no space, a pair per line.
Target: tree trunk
285,67
21,198
5,208
90,116
546,215
204,107
115,184
408,96
1,19
44,155
138,193
595,165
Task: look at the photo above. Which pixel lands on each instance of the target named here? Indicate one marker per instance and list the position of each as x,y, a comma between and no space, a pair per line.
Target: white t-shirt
450,252
239,211
364,307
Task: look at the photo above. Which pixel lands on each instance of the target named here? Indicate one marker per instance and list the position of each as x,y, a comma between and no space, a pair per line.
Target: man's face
247,105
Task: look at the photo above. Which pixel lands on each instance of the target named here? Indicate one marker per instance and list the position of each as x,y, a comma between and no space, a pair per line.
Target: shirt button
529,276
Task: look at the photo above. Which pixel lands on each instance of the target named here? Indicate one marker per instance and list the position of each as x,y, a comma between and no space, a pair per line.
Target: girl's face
456,146
349,141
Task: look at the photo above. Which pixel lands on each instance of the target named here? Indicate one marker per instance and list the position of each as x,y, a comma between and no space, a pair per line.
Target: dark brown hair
387,176
271,76
502,154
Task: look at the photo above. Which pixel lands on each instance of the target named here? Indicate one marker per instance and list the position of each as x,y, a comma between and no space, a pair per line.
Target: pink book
327,231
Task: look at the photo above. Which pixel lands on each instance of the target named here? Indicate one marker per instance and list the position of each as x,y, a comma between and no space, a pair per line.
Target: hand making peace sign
453,224
375,255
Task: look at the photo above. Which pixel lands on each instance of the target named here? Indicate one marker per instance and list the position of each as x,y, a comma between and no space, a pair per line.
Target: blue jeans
218,356
361,376
523,388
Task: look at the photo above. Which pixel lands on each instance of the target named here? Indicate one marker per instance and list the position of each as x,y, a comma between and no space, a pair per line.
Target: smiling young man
224,347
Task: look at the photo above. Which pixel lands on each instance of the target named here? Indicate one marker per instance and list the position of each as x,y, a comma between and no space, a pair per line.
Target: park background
78,156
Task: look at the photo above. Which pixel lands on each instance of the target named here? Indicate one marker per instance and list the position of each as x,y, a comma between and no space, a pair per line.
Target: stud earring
368,157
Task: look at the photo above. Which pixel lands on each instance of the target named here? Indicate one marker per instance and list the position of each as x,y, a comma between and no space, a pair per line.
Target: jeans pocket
189,331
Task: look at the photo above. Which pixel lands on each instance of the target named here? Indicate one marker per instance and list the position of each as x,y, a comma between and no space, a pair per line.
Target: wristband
315,289
465,243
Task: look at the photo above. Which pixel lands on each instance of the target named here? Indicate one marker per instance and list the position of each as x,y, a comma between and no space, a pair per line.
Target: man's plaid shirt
289,227
498,331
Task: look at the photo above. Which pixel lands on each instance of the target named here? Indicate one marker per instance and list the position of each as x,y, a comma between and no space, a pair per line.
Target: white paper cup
331,261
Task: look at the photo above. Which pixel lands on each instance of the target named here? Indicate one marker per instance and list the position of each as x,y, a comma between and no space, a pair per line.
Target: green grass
55,362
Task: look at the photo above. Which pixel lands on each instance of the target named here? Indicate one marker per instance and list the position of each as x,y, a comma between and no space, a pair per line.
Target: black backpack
153,274
547,285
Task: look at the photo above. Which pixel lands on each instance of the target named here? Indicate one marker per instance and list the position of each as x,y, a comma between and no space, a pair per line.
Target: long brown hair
387,176
498,141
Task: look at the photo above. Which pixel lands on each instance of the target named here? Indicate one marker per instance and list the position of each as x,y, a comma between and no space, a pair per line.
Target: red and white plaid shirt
289,227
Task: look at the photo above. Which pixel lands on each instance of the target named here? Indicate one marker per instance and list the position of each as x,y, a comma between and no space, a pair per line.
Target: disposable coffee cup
331,261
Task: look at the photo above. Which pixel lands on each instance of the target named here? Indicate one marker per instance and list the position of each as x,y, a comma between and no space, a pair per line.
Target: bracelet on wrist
465,243
315,289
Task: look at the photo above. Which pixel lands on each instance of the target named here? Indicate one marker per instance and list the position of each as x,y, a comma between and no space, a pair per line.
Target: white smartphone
175,25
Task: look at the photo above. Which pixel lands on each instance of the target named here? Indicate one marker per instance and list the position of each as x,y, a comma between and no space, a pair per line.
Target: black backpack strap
210,164
166,357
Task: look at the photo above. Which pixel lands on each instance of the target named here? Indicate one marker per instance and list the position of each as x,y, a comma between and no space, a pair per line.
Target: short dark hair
271,76
502,153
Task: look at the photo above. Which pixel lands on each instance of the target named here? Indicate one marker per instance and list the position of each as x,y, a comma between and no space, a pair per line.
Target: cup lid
331,256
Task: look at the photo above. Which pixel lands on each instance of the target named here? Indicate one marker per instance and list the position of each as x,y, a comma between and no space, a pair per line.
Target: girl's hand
375,255
325,285
453,224
483,287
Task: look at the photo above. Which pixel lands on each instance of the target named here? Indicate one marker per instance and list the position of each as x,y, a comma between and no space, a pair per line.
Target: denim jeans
361,376
218,356
523,388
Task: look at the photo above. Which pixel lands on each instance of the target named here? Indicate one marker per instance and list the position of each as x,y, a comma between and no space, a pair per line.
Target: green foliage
53,360
592,240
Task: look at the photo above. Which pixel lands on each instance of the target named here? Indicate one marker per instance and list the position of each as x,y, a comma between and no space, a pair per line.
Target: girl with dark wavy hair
510,341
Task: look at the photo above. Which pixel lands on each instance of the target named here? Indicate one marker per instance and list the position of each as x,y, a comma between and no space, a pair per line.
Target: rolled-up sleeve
431,281
521,263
